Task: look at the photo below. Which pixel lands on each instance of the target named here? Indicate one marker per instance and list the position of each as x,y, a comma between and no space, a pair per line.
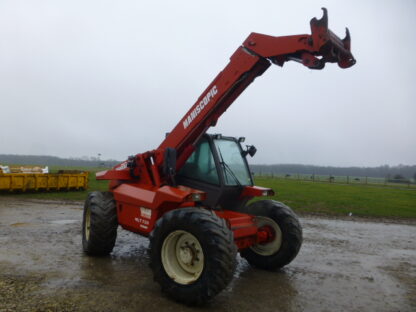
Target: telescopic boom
249,61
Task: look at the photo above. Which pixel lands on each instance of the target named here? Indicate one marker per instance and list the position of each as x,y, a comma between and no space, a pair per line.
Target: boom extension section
249,61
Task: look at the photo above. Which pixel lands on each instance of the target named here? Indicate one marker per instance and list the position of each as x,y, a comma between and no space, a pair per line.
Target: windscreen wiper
227,168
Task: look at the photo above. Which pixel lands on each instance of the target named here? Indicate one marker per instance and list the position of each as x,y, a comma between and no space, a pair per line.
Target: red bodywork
141,189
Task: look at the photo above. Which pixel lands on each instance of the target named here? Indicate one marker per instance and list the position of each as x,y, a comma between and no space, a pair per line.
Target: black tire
218,254
290,230
99,224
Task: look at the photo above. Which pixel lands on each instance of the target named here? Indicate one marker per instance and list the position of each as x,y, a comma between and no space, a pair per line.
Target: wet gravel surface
343,265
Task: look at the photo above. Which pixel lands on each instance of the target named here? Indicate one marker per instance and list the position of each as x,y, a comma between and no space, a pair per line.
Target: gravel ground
343,265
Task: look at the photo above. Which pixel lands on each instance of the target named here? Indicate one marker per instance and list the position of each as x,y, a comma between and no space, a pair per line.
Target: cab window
201,165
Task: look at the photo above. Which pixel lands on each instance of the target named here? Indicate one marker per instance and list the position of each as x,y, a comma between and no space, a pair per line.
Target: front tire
193,255
99,225
286,231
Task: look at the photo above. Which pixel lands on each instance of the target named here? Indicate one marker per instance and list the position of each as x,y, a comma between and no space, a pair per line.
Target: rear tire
284,224
99,225
193,255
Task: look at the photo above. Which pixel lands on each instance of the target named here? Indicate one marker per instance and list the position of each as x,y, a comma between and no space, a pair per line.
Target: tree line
43,160
385,171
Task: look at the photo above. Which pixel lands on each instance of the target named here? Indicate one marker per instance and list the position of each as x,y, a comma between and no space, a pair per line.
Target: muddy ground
343,265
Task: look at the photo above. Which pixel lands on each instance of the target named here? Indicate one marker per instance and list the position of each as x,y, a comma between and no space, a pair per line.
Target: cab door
201,172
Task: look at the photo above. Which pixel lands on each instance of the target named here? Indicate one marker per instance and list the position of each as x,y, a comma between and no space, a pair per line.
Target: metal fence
341,179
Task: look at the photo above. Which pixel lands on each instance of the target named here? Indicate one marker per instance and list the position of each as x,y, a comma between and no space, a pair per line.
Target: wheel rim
270,248
182,257
87,225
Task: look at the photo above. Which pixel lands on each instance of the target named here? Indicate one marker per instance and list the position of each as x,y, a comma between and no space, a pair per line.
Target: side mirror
251,150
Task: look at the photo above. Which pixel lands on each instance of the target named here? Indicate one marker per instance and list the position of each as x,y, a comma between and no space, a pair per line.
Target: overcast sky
78,78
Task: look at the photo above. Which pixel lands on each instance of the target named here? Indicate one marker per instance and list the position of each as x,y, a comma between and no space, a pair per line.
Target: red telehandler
189,196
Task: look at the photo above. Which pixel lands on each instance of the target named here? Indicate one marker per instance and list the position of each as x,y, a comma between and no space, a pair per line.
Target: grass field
341,199
302,196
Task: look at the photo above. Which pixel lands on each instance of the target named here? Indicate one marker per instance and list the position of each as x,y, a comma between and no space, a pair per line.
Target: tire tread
103,224
291,231
219,254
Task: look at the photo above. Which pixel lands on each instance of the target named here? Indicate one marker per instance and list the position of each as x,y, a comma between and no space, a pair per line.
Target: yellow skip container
37,181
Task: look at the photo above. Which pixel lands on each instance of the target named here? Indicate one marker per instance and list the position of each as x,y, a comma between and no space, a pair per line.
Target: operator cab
219,167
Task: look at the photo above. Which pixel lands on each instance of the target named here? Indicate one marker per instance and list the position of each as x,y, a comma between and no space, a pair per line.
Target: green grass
341,199
302,196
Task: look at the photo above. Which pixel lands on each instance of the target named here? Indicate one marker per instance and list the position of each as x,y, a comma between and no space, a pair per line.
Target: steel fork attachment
330,46
313,51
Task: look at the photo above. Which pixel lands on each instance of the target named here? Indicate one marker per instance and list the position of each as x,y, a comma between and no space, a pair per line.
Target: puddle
20,224
62,222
